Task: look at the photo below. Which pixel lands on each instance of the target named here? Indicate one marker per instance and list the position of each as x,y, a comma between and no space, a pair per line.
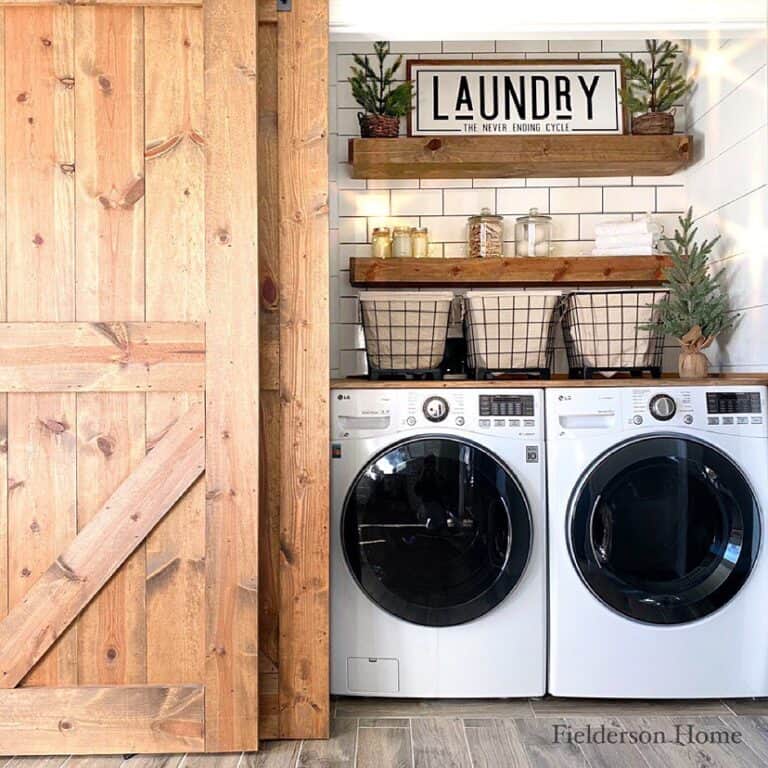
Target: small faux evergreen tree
696,310
373,89
658,86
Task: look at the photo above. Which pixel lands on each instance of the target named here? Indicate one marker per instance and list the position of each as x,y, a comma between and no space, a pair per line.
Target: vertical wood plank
304,368
3,505
41,508
39,152
269,373
111,637
110,164
110,286
175,237
3,398
232,343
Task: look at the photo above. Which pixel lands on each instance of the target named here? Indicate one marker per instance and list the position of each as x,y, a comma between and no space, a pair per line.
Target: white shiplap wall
357,206
728,115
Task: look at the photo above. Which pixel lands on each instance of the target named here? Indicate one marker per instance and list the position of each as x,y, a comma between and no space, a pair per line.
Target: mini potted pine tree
696,309
374,90
652,89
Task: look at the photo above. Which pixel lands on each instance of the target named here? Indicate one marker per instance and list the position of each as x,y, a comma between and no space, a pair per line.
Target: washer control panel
500,412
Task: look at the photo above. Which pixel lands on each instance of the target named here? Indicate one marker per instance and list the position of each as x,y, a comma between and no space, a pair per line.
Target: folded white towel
645,250
613,228
635,240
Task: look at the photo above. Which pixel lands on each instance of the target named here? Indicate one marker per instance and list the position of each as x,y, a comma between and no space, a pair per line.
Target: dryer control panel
722,409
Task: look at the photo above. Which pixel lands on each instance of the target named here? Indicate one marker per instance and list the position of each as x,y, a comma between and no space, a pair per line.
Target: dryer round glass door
664,530
436,531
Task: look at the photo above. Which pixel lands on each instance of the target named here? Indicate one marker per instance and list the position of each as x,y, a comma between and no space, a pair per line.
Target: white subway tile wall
357,206
728,186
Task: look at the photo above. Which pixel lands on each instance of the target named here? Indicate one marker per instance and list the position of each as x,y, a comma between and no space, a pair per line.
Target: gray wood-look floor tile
748,706
384,748
226,760
355,707
439,742
384,722
537,735
336,752
596,747
273,754
490,745
626,707
672,754
49,761
754,731
152,761
95,761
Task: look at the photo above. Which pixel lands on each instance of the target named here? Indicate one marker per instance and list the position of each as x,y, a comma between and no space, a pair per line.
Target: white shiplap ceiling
535,19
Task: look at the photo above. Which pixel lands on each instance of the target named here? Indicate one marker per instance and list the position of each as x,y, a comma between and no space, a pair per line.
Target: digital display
506,405
719,403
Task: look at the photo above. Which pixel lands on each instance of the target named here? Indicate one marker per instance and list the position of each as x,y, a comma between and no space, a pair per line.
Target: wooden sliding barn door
163,376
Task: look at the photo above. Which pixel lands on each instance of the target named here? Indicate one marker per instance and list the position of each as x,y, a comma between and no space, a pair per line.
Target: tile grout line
357,742
466,742
413,752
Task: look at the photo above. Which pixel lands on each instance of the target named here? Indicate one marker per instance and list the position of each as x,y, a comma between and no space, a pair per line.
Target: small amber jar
401,243
381,243
419,242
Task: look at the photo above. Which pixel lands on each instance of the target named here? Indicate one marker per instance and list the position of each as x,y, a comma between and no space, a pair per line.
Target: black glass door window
436,531
664,530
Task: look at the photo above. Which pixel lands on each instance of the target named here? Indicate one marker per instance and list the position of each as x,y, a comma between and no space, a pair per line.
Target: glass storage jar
401,242
485,234
533,234
381,243
419,242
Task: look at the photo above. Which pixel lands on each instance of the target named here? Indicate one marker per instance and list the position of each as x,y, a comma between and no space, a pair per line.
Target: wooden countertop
746,379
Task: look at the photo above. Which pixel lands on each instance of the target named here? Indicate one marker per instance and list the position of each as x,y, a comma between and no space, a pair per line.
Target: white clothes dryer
658,580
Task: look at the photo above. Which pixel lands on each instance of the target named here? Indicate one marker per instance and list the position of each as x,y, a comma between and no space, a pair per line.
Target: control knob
435,408
662,407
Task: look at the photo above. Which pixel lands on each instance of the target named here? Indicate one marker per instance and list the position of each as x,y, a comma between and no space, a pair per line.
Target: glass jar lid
380,231
420,230
402,231
534,217
485,215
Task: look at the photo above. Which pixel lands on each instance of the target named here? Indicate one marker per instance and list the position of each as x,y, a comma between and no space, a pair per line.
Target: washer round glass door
664,530
436,531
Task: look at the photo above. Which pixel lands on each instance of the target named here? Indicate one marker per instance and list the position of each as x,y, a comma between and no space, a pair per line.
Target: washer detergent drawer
372,675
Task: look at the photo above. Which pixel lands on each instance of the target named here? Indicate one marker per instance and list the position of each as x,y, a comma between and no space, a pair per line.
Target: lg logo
343,397
565,397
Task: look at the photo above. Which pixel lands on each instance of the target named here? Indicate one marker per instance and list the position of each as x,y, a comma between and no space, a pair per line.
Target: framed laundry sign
516,97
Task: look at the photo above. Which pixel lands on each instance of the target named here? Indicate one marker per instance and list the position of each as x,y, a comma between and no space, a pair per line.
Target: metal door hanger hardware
283,5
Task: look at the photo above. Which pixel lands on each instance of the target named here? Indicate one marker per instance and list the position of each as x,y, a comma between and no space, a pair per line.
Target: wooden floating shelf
479,157
508,272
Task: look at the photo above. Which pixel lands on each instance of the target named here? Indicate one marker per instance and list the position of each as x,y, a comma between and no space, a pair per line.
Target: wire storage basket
606,331
511,332
405,332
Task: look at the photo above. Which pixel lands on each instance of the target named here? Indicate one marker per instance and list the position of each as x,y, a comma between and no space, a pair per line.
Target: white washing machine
438,555
658,580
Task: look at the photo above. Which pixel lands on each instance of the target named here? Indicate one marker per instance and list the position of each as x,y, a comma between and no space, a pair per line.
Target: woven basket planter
654,123
378,126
